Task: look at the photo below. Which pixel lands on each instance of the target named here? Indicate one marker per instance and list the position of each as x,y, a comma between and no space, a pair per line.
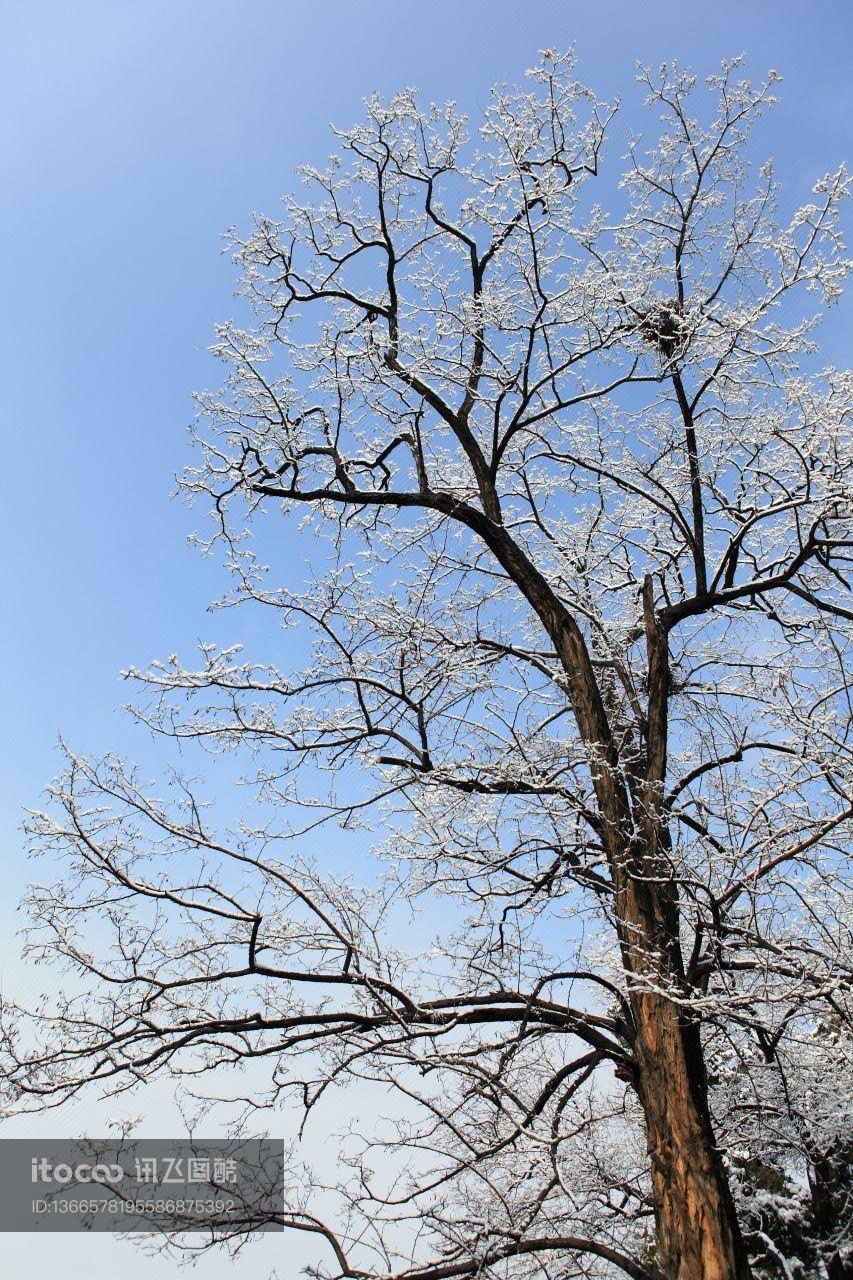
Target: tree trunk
697,1231
698,1237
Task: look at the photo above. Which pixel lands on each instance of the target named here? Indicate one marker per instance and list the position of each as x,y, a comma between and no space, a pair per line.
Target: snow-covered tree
576,498
785,1115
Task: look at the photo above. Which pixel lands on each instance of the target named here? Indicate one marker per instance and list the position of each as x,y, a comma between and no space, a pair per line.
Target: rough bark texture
697,1232
698,1237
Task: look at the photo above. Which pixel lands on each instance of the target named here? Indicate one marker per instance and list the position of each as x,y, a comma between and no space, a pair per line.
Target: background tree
787,1126
579,502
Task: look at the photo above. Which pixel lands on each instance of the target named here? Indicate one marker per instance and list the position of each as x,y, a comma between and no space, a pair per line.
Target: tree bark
698,1236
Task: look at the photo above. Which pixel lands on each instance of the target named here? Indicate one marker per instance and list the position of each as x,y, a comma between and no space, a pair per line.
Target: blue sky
132,135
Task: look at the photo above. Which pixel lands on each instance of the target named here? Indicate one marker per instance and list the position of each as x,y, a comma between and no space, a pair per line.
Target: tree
788,1137
579,505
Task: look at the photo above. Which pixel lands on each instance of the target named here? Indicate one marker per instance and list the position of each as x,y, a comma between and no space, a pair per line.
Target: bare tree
577,499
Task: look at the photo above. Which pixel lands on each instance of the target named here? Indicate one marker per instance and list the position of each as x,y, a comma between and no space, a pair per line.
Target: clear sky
134,132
